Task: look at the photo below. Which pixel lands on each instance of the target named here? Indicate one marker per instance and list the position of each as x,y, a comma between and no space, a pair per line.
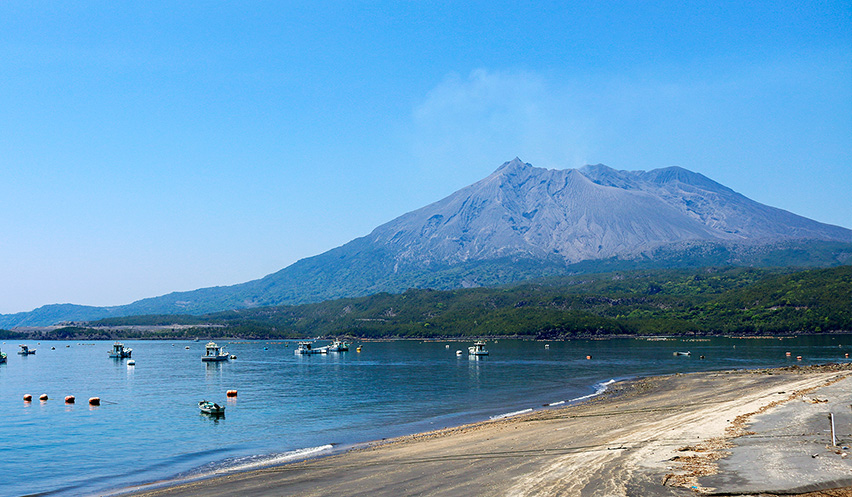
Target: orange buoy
69,399
789,354
231,393
95,401
42,396
798,358
28,398
588,357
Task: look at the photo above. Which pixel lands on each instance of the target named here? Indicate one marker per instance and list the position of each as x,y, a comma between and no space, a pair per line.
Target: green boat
208,407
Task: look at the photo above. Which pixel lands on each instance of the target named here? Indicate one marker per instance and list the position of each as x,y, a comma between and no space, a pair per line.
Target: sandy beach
763,432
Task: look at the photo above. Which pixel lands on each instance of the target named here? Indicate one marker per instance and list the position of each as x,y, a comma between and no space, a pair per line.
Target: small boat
682,353
2,357
214,353
208,407
338,346
25,350
119,351
478,348
307,348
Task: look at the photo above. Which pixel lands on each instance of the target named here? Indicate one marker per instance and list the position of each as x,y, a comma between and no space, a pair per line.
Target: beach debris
688,468
813,400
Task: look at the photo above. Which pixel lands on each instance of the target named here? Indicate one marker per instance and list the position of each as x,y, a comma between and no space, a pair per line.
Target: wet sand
723,433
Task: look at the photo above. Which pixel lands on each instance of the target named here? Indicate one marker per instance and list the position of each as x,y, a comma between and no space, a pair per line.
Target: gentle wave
510,414
255,462
229,466
599,389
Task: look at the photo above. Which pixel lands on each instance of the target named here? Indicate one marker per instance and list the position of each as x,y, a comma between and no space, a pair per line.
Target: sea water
148,427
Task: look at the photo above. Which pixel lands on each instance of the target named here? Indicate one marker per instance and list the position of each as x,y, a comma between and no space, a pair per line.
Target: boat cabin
478,348
214,352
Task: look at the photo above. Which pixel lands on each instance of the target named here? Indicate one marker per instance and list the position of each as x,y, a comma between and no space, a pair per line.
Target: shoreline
296,456
640,427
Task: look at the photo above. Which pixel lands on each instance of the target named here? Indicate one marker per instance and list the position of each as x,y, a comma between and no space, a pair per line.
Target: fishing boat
2,357
682,353
478,348
119,351
308,348
25,350
208,407
338,346
214,353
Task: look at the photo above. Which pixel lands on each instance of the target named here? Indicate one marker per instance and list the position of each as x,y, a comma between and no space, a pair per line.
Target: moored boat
2,357
25,350
119,351
478,348
308,348
683,353
208,407
338,346
214,353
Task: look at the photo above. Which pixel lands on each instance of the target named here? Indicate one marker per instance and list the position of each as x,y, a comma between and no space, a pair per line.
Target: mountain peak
514,165
678,174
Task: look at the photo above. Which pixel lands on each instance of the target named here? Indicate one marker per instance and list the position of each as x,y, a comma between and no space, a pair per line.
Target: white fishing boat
308,348
214,353
338,346
119,351
25,350
208,407
2,357
478,348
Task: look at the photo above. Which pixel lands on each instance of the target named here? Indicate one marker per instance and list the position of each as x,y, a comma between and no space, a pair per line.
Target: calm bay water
149,428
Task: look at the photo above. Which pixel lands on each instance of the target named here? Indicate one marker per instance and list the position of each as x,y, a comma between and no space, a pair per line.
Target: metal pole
833,439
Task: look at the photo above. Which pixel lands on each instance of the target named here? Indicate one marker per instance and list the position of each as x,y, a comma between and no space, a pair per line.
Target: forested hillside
660,302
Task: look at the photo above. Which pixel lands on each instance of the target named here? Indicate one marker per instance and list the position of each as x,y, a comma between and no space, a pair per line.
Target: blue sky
150,147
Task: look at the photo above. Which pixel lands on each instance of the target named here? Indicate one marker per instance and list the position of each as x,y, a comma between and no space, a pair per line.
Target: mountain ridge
521,222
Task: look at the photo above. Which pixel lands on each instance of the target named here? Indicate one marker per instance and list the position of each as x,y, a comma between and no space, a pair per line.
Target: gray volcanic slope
518,223
591,213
